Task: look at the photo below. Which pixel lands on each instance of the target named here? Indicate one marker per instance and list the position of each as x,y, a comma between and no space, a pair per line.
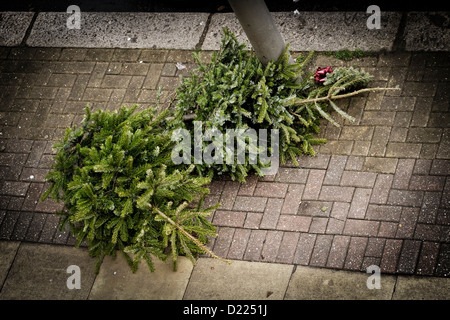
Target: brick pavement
377,193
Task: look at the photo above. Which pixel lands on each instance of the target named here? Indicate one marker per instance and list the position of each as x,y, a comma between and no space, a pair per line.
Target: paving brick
229,193
335,170
313,185
408,256
359,203
61,80
271,213
153,75
151,55
398,59
383,212
33,196
378,118
115,81
445,201
390,256
355,163
427,259
444,147
255,245
293,223
72,54
398,103
321,249
427,183
379,141
429,209
223,241
292,175
403,173
247,188
293,199
335,226
443,263
97,94
320,161
403,150
421,112
76,67
253,220
375,247
407,223
35,227
419,89
356,133
99,54
387,229
338,252
135,69
15,203
398,134
356,109
15,188
337,147
8,223
304,249
355,253
169,69
48,230
405,198
428,232
287,247
439,119
59,120
271,246
318,225
358,179
361,227
381,189
121,54
229,218
334,193
424,135
255,204
378,164
422,166
315,208
238,244
440,167
271,189
216,187
402,119
168,83
443,217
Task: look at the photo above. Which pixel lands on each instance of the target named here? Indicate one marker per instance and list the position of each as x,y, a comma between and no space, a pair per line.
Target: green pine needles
115,174
122,191
235,91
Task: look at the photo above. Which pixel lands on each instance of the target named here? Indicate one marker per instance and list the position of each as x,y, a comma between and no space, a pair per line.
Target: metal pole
260,28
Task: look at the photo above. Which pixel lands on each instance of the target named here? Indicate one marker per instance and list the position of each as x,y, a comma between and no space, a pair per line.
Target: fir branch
298,102
198,243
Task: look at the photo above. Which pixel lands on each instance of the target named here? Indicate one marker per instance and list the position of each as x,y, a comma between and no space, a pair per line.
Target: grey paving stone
119,30
115,280
423,33
210,280
321,284
13,26
421,288
39,272
8,250
303,31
